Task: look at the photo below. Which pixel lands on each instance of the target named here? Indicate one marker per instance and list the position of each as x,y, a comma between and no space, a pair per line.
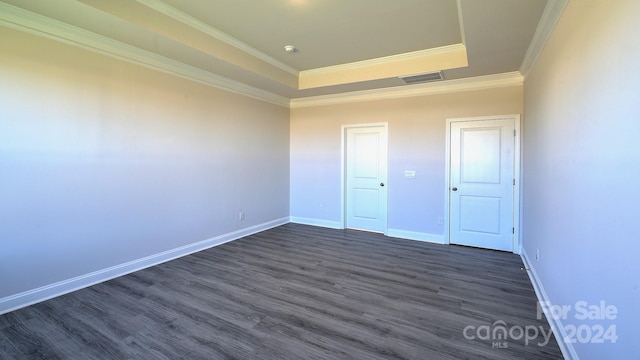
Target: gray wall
581,167
416,142
104,162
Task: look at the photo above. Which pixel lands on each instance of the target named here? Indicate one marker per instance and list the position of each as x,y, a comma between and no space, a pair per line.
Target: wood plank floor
293,292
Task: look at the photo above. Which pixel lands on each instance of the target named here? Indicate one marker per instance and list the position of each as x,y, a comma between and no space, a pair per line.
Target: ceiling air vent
423,78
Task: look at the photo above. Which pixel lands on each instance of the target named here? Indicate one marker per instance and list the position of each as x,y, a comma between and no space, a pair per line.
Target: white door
481,188
365,178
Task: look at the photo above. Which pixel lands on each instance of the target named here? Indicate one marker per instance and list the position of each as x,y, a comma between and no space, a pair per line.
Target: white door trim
517,211
343,167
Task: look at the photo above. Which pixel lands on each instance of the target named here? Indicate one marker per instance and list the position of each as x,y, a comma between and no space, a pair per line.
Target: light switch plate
410,174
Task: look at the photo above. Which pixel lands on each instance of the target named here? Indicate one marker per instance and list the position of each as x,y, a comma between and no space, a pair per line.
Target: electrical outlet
440,220
537,254
241,215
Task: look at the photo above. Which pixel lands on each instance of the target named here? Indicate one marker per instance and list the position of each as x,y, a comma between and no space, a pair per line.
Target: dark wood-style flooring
293,292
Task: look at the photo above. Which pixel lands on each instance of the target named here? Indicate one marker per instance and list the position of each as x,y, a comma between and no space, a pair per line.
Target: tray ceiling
342,46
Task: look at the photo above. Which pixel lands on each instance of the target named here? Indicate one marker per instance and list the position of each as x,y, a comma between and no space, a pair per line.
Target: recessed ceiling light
290,48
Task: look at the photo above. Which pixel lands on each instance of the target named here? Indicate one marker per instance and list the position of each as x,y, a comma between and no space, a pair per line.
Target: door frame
343,170
517,172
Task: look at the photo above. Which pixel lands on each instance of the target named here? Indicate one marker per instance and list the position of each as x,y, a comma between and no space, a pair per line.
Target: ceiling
342,46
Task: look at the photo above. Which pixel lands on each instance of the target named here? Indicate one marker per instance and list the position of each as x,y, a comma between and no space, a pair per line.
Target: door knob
381,184
454,189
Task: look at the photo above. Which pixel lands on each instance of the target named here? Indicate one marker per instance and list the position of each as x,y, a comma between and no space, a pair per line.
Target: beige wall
416,142
581,169
103,162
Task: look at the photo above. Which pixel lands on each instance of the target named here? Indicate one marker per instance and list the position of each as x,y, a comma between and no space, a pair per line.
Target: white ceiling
331,32
353,44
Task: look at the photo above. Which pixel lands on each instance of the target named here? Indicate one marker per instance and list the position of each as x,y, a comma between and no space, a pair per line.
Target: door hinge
514,182
514,133
513,230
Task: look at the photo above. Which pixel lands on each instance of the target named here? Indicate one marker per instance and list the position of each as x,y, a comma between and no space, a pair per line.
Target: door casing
517,172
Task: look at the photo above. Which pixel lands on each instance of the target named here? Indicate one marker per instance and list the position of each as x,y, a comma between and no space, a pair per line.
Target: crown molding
441,87
461,21
411,63
190,21
548,21
384,60
26,21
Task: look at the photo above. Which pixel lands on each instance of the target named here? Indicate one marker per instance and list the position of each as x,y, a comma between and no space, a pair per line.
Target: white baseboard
316,222
568,351
402,234
414,235
43,293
